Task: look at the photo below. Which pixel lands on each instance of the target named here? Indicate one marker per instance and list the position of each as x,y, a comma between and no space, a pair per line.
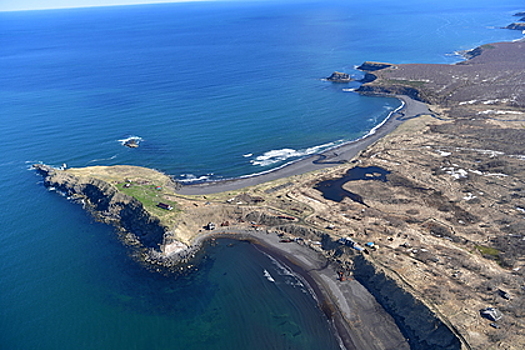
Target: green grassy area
488,46
489,253
150,197
140,183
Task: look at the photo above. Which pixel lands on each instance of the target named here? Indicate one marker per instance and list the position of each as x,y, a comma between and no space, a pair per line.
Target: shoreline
344,303
356,317
334,156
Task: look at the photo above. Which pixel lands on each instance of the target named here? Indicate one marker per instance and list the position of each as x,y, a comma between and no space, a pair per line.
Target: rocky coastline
149,240
447,222
137,227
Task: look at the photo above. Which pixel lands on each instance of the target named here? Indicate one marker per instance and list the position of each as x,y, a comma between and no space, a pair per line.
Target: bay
215,90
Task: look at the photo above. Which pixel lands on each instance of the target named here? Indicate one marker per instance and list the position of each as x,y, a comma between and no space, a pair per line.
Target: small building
165,206
210,226
491,313
504,294
346,241
359,248
351,243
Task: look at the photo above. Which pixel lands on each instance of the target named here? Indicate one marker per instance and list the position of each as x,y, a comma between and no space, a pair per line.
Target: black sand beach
410,109
358,319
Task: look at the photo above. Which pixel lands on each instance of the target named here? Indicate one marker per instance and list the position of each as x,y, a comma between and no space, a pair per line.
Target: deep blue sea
212,90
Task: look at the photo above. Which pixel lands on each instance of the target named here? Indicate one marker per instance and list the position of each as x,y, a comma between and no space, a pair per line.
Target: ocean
211,90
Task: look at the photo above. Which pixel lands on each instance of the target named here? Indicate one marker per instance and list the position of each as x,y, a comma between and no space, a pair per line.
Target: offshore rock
338,77
132,143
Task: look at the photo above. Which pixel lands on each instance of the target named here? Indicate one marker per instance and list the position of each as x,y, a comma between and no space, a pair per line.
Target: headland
438,241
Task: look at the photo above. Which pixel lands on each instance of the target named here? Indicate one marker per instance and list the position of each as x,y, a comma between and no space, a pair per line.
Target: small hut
165,206
491,313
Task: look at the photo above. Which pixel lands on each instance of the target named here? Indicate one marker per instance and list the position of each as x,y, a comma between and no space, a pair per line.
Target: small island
132,143
430,222
338,77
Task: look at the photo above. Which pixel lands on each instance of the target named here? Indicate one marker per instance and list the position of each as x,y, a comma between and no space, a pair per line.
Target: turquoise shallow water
214,90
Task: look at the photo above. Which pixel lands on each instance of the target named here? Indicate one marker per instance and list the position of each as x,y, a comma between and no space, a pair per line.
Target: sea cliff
424,329
138,227
490,72
446,226
243,217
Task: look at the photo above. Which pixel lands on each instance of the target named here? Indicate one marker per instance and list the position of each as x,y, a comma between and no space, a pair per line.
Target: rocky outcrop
493,73
368,78
393,90
516,26
424,329
369,66
132,143
108,205
470,54
338,77
383,88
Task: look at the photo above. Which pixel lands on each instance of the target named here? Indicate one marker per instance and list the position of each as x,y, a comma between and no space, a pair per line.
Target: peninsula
427,214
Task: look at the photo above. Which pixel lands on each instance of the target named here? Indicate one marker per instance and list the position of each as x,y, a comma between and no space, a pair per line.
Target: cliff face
108,205
424,329
393,89
516,26
492,74
369,66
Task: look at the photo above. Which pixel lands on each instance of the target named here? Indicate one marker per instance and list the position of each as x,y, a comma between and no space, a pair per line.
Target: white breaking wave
102,159
192,178
268,276
280,155
291,278
131,138
276,156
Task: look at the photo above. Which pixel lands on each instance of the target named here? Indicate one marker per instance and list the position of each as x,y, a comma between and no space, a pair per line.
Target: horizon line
159,2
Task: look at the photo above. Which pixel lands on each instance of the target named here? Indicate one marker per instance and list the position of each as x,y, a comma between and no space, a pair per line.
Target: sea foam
137,139
281,155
